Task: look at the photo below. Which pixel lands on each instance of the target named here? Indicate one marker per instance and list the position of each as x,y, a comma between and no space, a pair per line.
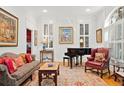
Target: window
84,35
114,36
48,35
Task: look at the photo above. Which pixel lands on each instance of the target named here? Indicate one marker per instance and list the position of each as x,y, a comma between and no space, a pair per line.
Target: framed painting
99,35
8,29
65,35
35,37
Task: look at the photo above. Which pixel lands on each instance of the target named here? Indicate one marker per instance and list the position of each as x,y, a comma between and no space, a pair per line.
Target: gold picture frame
8,29
65,35
99,35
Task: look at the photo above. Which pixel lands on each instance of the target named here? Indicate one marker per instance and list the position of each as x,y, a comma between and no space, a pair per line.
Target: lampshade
81,40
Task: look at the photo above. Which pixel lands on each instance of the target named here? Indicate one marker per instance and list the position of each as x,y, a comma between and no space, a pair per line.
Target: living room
55,30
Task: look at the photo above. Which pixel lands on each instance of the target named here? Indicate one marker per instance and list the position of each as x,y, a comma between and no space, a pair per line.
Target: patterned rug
71,77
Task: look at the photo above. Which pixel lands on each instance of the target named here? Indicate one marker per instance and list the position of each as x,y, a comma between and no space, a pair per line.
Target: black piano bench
64,58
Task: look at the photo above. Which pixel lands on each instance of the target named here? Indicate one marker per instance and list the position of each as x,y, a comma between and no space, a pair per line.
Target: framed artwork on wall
99,35
65,35
35,37
8,29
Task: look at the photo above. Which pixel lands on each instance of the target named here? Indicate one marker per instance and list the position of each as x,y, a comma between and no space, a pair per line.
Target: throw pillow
23,57
100,57
103,50
28,58
19,61
9,62
1,60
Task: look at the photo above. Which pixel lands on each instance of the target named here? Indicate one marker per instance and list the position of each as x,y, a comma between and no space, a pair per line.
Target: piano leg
76,60
81,60
71,62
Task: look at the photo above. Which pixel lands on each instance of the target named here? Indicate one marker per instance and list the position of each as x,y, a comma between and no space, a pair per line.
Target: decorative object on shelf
35,38
99,35
8,29
65,35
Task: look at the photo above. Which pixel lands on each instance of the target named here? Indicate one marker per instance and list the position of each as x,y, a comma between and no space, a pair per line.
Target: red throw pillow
1,60
28,58
9,62
19,61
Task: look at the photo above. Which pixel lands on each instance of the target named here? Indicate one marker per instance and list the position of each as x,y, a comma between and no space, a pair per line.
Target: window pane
86,41
45,29
51,44
118,51
50,29
86,29
81,29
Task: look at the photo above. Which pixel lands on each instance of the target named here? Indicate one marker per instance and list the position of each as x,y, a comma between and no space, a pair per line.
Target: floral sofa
20,75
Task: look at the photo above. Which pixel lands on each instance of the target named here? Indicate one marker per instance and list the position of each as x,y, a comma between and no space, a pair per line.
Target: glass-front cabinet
115,24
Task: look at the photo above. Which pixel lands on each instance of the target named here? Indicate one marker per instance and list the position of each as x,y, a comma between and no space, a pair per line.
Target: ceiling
62,10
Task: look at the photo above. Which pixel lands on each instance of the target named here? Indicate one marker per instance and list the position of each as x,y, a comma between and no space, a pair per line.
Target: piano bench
64,58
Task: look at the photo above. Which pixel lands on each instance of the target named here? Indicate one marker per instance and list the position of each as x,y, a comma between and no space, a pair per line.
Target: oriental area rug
71,77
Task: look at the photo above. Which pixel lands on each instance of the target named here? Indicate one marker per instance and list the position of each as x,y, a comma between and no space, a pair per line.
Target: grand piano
77,52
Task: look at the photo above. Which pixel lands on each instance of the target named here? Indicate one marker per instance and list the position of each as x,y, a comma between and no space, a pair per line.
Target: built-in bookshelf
115,29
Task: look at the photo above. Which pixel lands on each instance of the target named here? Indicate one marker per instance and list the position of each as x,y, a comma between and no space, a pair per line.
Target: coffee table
48,72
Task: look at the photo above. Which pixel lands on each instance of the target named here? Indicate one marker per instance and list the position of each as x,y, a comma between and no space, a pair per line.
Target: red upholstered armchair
100,66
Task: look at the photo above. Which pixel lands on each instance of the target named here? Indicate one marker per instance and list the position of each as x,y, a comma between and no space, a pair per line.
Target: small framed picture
99,35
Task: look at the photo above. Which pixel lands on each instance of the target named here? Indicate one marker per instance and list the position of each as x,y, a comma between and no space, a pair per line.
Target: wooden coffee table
48,72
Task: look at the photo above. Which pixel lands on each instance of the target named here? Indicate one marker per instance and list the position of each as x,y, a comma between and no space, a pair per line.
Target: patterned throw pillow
100,57
19,61
9,62
23,57
28,58
1,60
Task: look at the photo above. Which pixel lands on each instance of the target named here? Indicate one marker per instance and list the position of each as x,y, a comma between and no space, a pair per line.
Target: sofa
20,75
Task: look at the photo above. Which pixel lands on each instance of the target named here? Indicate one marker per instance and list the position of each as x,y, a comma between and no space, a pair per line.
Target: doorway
28,40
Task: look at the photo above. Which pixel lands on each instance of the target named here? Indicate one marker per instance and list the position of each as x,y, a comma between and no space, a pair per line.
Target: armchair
99,66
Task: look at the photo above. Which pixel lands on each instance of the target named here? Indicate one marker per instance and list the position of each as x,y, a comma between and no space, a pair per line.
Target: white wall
60,49
26,20
32,25
96,21
100,18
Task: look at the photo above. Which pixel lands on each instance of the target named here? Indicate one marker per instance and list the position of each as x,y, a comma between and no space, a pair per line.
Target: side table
47,71
43,52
